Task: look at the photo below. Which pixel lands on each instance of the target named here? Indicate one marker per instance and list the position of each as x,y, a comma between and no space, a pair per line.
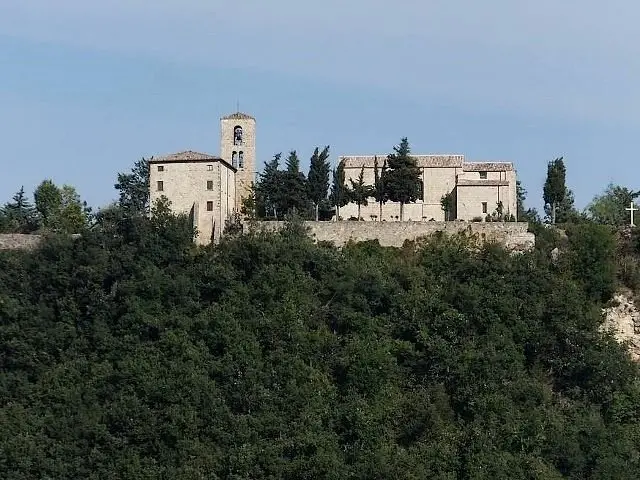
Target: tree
378,184
318,178
134,188
447,203
609,208
74,215
554,190
48,200
402,181
270,189
360,191
566,211
339,191
19,216
295,189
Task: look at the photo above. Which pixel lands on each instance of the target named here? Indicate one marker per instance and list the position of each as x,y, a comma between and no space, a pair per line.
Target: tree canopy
131,353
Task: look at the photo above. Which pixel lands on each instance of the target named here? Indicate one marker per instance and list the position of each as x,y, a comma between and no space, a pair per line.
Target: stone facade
513,236
196,184
477,187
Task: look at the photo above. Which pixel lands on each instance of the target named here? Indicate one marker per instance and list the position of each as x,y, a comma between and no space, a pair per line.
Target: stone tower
238,147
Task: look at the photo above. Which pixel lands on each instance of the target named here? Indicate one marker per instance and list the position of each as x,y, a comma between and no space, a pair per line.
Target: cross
631,209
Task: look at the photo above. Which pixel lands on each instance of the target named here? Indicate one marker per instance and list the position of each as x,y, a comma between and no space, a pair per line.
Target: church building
209,188
476,189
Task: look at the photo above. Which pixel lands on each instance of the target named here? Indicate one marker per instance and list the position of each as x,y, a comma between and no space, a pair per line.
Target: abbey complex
210,188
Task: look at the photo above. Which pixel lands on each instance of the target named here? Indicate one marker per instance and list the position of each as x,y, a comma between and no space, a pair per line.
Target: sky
88,88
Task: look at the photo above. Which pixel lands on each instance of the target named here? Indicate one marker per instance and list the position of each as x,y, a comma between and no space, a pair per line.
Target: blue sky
87,88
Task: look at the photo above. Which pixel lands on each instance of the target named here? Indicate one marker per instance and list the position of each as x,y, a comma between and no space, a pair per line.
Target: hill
131,353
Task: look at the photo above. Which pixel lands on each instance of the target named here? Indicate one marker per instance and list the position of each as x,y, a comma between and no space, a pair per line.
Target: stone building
210,188
207,187
476,188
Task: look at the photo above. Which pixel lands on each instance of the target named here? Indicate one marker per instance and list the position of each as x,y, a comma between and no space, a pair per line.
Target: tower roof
238,116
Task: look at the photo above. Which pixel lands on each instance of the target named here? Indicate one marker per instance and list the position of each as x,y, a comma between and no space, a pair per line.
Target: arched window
241,160
237,135
234,159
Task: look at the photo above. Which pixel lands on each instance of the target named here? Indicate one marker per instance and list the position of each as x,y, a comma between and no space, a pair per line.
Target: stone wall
513,236
16,241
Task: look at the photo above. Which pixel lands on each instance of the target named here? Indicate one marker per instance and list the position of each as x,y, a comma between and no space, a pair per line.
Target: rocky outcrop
622,318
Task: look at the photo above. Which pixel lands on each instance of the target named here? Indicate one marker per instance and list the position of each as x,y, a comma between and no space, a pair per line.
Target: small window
209,167
209,184
241,160
483,175
209,206
161,168
234,159
484,207
160,186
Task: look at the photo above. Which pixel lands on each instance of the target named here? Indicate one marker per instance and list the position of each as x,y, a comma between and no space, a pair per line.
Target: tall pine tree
339,191
318,179
360,191
555,189
378,184
402,181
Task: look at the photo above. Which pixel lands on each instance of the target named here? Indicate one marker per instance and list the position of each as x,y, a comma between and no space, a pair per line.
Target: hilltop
132,353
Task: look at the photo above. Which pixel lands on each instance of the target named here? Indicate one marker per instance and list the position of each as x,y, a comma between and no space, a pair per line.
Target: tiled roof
423,161
187,155
481,183
238,116
487,166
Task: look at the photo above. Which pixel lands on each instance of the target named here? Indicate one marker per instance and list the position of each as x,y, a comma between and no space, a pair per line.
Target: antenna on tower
238,106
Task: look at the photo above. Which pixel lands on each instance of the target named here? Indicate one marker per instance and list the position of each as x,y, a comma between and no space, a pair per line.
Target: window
160,186
483,175
161,168
237,135
209,167
209,184
209,206
241,160
234,159
484,207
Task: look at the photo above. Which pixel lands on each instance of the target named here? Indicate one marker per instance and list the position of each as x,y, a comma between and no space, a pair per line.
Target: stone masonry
513,236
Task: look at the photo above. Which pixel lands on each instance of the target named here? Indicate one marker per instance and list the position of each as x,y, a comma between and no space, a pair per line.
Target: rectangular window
483,175
484,207
209,184
209,206
161,168
209,167
160,186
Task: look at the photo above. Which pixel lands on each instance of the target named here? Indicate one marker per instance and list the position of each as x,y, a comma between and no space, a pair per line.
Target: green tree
134,188
447,203
379,192
19,215
340,194
74,215
318,178
402,181
48,202
360,191
270,189
295,194
609,207
554,191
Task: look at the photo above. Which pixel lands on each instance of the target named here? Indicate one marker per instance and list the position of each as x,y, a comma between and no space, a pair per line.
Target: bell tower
238,147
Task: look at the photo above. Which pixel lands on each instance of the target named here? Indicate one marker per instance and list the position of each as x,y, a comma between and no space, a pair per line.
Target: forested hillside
130,353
